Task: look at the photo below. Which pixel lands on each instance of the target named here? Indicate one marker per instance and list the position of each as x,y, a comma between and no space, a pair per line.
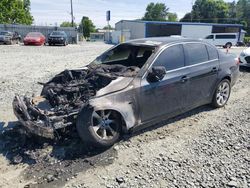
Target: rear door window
196,53
212,52
171,58
225,36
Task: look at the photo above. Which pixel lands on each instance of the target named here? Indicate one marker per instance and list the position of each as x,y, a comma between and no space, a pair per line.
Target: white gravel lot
204,148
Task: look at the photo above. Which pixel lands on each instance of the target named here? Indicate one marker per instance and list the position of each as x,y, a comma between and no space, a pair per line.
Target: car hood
2,36
31,38
247,51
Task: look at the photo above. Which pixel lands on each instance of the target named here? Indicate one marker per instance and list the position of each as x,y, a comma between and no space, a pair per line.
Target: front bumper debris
36,121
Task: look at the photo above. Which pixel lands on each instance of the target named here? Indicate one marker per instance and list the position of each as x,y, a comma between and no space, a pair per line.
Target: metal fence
23,30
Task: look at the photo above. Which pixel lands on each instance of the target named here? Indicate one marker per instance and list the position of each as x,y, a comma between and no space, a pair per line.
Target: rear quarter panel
228,67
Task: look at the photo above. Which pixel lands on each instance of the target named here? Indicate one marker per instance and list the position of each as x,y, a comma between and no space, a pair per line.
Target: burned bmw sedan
140,82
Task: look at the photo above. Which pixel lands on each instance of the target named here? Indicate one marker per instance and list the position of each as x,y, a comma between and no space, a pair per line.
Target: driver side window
171,58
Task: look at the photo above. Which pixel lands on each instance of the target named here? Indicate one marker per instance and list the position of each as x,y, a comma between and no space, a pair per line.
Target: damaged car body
140,82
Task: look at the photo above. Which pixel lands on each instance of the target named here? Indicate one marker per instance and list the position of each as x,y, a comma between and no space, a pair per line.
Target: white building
134,29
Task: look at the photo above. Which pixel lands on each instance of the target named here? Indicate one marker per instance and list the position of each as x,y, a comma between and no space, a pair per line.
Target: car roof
161,41
58,31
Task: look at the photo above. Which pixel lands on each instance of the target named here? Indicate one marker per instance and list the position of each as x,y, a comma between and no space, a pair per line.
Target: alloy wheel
223,93
105,124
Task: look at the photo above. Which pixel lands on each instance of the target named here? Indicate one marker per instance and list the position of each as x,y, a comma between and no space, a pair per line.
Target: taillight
237,60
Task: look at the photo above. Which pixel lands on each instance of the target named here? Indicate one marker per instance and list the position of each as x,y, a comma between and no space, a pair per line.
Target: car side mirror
156,74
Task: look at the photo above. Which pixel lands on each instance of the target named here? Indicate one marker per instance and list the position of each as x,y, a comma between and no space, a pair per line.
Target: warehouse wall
196,31
23,30
136,29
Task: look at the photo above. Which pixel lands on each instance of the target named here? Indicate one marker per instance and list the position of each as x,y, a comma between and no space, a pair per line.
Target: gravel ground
203,148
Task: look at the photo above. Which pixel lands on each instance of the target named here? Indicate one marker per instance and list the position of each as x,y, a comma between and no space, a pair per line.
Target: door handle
214,70
184,79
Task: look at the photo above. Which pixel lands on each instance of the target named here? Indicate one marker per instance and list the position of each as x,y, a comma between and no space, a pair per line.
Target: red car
34,38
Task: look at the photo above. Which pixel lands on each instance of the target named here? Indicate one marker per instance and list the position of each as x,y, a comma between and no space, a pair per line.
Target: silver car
245,57
131,86
7,37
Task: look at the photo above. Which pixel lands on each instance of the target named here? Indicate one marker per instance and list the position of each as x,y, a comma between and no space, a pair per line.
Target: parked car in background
132,85
7,37
58,37
227,40
245,58
34,38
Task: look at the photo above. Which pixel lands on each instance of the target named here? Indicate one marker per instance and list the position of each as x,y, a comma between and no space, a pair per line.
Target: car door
210,39
168,96
203,64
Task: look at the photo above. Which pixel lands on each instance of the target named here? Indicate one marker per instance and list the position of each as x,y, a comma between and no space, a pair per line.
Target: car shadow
166,122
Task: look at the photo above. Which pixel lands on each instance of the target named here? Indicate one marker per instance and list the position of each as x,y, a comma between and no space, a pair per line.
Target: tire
99,128
12,42
228,45
221,94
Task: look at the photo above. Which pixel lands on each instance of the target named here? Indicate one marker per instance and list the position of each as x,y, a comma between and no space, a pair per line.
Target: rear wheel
100,128
222,94
228,45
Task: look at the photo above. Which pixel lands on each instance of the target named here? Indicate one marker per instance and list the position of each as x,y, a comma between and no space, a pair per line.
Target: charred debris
64,96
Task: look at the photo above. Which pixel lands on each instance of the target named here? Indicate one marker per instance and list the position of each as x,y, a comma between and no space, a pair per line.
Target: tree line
205,11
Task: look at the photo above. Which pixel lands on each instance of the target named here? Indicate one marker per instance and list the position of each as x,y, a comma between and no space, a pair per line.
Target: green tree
187,18
213,11
232,14
172,17
67,24
15,12
243,13
156,12
86,27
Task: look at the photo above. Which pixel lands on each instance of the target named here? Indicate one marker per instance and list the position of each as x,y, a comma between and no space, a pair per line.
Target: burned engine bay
64,96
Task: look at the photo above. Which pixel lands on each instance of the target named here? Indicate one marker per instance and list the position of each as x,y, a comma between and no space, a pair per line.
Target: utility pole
72,14
192,2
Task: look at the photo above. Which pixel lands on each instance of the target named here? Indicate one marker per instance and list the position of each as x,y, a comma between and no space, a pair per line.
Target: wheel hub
104,124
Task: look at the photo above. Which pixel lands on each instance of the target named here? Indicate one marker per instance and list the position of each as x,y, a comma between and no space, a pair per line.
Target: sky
54,12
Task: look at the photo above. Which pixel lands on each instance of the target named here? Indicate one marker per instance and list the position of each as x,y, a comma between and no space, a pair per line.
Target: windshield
57,33
34,35
5,33
126,55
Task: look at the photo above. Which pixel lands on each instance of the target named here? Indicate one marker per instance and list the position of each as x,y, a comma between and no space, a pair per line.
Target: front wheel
100,128
222,94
